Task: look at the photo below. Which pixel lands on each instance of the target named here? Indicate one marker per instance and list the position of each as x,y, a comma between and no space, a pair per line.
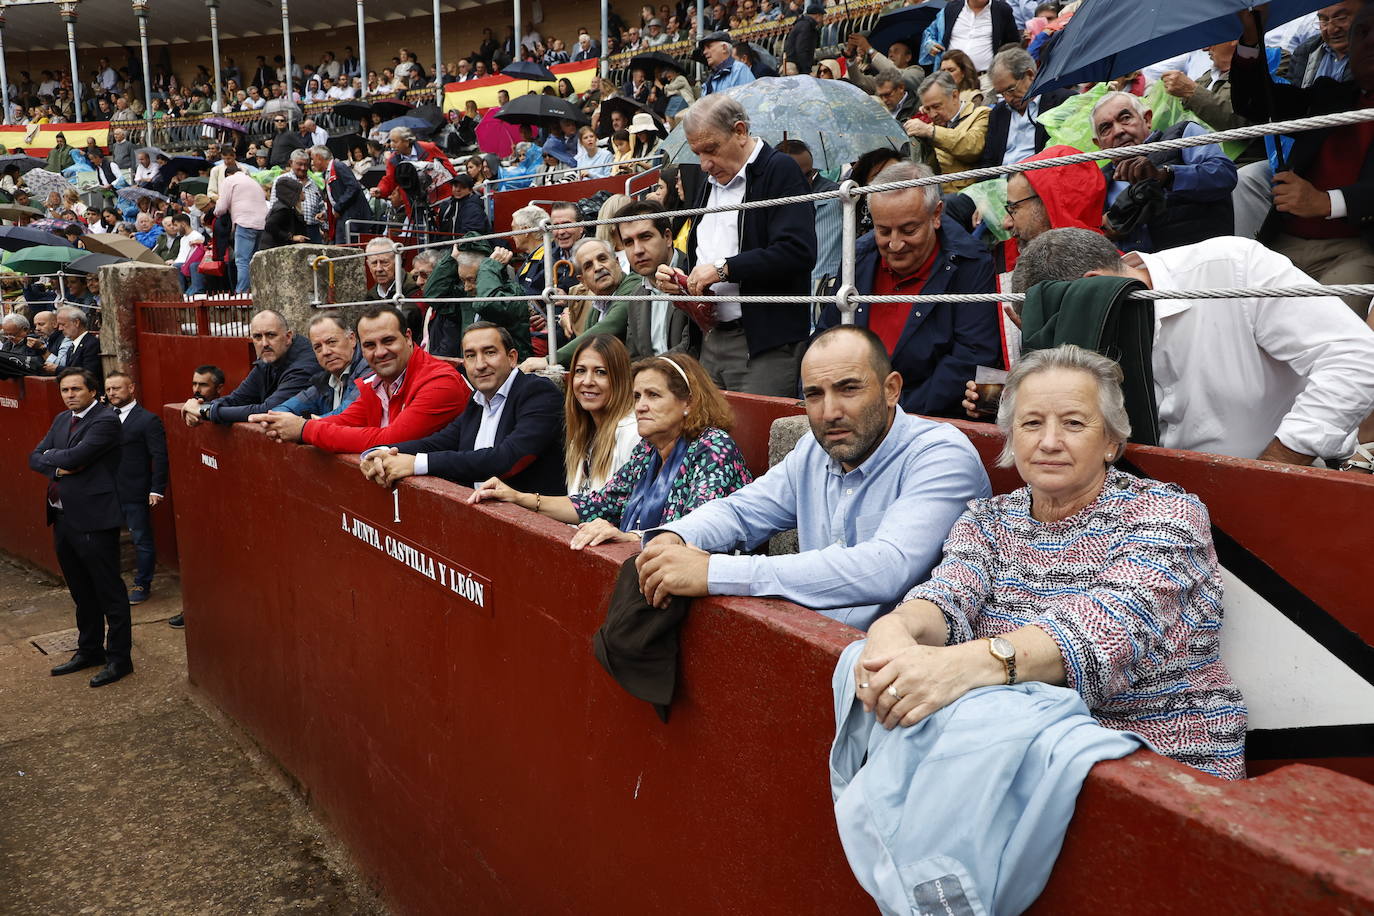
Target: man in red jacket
408,395
405,148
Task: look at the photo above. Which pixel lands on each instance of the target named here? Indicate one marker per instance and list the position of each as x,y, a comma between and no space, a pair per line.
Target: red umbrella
496,136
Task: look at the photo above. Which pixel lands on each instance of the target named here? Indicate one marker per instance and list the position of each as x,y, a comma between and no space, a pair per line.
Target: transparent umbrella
836,119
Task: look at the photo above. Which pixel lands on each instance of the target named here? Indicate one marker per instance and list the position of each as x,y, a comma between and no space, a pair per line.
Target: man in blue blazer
344,196
142,477
915,249
80,458
512,427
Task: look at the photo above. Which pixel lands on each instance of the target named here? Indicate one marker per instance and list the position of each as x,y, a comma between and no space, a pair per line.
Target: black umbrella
373,176
23,160
15,238
649,61
191,165
353,108
90,263
342,145
540,109
629,108
391,108
529,70
431,113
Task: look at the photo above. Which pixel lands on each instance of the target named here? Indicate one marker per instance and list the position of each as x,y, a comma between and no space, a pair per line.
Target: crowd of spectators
443,373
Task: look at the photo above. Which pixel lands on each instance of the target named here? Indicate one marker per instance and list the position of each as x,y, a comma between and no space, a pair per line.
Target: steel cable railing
846,297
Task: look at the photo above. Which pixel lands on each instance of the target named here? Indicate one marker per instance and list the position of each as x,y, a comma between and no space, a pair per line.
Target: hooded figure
444,330
285,225
1064,197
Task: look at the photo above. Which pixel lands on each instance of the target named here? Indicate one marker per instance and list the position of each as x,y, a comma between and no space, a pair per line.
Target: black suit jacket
142,456
528,454
89,494
999,124
1251,96
777,250
86,355
1004,31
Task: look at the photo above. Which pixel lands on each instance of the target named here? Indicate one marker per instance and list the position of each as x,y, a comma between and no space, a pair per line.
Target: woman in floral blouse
1088,578
684,458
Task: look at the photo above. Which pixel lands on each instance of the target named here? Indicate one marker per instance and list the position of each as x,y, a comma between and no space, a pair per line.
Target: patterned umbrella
136,193
41,183
225,124
56,225
836,119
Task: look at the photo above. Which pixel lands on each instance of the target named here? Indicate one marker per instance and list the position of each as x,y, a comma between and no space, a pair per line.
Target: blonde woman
598,410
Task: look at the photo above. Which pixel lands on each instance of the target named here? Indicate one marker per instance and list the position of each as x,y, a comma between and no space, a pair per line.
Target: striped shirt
1130,591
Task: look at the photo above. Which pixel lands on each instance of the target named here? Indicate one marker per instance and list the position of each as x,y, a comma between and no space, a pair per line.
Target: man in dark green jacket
474,272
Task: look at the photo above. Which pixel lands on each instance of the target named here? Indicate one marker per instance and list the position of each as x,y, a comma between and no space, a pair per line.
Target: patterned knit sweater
1129,589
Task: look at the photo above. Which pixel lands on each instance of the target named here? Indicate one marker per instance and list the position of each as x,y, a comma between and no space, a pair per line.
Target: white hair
1111,401
717,113
1136,102
590,240
72,313
527,217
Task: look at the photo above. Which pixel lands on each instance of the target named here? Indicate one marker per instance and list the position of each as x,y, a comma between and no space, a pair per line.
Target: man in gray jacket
654,327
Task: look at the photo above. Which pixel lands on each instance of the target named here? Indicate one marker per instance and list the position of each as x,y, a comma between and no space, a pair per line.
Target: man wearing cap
468,214
726,71
656,35
800,46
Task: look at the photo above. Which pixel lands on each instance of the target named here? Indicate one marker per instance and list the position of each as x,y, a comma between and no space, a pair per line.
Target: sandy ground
133,798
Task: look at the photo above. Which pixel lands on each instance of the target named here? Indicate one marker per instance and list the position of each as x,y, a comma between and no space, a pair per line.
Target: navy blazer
142,456
268,384
527,454
86,355
941,344
1004,30
471,216
347,198
89,494
999,125
777,250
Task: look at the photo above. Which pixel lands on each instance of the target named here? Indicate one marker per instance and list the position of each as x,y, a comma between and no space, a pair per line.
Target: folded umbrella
41,259
1107,38
540,109
122,245
17,238
529,70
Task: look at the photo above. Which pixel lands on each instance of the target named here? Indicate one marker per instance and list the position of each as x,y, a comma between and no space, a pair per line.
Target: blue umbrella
1110,38
835,118
529,70
905,25
419,125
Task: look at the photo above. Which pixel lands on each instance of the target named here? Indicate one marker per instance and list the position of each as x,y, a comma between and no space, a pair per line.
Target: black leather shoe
77,662
111,673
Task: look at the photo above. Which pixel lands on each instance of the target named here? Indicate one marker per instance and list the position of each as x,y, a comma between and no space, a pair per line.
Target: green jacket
615,321
1096,314
493,279
59,158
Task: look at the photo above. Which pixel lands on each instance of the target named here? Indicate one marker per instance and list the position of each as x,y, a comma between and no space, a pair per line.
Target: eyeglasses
1011,205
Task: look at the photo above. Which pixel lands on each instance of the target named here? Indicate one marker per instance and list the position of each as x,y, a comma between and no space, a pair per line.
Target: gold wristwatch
1004,652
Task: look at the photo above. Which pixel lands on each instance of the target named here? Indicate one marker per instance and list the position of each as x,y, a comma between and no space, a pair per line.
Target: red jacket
426,152
432,394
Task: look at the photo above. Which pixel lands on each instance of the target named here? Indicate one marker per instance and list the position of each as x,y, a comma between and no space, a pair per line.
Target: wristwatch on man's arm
722,270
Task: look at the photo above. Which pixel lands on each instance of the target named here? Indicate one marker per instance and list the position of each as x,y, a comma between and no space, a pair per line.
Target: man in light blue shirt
726,71
872,493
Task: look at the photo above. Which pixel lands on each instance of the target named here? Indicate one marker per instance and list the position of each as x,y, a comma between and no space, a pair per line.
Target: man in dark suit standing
512,427
84,350
80,458
142,478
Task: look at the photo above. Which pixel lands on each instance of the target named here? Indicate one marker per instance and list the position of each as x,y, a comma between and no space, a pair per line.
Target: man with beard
872,494
284,366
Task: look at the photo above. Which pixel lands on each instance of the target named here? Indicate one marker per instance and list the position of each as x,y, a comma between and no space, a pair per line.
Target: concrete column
122,285
283,279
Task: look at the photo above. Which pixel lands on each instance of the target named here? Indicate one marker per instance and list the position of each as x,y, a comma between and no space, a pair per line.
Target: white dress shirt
718,233
972,34
486,431
1231,374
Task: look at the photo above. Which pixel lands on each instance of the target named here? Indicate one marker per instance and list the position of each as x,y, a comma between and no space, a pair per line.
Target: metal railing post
6,116
397,294
213,6
286,51
362,51
849,201
438,63
550,290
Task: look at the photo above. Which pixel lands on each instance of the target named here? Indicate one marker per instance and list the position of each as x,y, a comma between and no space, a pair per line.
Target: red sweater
432,395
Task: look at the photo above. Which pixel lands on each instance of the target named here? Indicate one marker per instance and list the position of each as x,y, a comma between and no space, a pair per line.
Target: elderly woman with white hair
1086,577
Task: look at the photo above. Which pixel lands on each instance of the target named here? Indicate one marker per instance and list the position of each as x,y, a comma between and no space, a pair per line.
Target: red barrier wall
474,757
504,203
27,408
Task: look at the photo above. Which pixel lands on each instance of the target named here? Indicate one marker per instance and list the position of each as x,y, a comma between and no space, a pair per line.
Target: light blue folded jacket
964,813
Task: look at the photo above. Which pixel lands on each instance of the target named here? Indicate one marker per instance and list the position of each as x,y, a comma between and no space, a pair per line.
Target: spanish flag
483,91
39,139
